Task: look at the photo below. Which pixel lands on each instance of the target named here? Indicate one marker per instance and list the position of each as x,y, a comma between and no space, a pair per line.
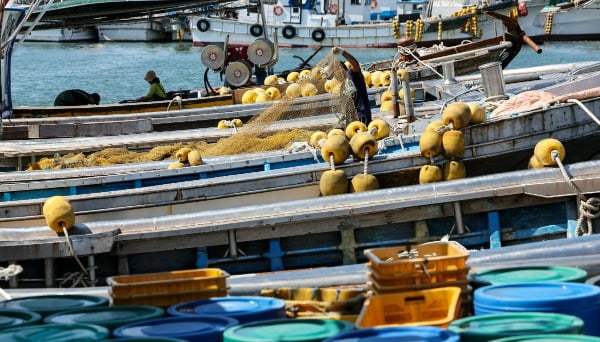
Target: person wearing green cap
156,92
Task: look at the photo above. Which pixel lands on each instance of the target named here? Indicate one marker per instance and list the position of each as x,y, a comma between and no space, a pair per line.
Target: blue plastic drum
400,334
245,309
50,304
55,333
145,339
575,299
16,318
192,328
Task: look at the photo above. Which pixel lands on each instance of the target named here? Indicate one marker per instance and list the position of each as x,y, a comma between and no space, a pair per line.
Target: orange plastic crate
435,307
186,281
167,299
416,278
428,257
381,289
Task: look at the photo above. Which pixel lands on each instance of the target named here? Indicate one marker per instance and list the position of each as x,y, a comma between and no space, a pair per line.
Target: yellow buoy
306,73
402,74
309,89
274,93
176,165
333,182
317,73
363,143
453,143
294,90
224,91
363,182
348,65
386,78
222,124
259,91
382,131
376,78
271,80
430,144
413,94
58,213
534,163
477,113
249,96
195,158
434,125
337,146
262,97
316,137
430,174
336,131
293,76
386,96
182,154
367,77
332,85
458,114
543,151
454,169
355,127
386,106
237,122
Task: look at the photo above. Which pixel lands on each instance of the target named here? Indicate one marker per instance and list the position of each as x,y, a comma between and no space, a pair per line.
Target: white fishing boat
65,34
136,31
344,23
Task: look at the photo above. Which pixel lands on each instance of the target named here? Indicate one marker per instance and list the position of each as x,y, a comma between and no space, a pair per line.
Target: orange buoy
58,213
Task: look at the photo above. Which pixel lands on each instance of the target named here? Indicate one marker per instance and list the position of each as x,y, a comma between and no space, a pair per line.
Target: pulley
238,73
261,51
213,57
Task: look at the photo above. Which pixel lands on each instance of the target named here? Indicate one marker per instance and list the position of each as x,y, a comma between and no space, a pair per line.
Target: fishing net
261,133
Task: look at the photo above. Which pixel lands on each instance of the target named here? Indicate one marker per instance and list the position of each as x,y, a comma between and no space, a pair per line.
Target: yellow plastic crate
167,299
377,288
416,278
435,307
186,281
425,258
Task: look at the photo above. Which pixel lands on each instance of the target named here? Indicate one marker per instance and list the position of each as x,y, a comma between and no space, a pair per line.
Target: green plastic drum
549,338
287,330
528,274
47,305
10,318
495,326
146,339
109,317
55,333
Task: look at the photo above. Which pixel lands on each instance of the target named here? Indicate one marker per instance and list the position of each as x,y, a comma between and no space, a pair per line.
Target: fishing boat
343,23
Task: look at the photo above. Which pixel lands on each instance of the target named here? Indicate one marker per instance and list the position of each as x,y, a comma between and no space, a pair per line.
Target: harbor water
116,70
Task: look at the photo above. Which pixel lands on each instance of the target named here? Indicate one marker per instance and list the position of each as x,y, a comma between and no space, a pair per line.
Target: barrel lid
109,317
511,324
287,330
49,304
412,334
549,338
206,328
538,295
10,318
529,274
54,333
243,308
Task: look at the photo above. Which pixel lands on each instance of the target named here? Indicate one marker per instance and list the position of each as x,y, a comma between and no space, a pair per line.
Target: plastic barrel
408,334
145,339
575,299
528,274
287,330
195,329
549,338
494,326
10,318
245,309
55,333
47,305
109,317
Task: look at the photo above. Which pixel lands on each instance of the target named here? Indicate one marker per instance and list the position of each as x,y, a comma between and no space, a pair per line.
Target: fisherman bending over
156,91
76,97
360,96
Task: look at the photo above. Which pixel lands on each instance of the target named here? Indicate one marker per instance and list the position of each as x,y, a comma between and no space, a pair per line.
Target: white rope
175,99
10,271
331,162
409,51
301,146
443,129
366,161
84,272
585,109
588,208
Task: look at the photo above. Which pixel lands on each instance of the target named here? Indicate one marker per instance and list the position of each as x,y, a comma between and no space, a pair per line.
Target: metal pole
408,103
395,105
460,227
92,269
232,244
12,281
49,280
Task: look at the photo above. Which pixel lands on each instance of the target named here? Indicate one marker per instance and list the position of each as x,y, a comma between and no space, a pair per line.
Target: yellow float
176,165
376,78
337,146
363,143
454,169
543,151
353,128
274,93
458,114
194,158
309,89
271,80
182,154
379,129
316,137
403,74
363,182
58,213
263,97
224,91
430,144
336,131
453,144
237,122
477,113
434,125
333,182
293,91
386,78
293,76
534,163
367,77
249,96
430,174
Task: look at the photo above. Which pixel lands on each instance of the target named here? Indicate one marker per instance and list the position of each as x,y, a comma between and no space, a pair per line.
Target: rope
409,51
585,109
331,162
175,99
300,146
588,208
10,271
443,129
366,161
72,250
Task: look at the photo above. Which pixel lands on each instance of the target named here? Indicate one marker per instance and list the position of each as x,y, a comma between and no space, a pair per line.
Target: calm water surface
115,70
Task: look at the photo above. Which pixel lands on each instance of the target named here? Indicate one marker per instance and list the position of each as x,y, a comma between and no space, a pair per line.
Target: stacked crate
168,288
432,265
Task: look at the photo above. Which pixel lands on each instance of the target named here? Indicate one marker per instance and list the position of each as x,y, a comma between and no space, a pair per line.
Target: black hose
207,84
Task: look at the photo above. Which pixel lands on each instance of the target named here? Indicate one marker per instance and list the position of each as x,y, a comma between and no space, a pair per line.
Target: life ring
256,30
318,35
373,4
288,32
333,8
278,10
203,25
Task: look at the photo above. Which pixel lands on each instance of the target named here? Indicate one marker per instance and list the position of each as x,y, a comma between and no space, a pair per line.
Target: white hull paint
66,34
146,31
578,22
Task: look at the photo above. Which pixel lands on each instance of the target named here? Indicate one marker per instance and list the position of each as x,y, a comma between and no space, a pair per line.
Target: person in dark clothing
76,97
360,96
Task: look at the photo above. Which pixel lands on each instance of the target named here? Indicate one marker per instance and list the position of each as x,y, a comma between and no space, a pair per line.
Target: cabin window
355,2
